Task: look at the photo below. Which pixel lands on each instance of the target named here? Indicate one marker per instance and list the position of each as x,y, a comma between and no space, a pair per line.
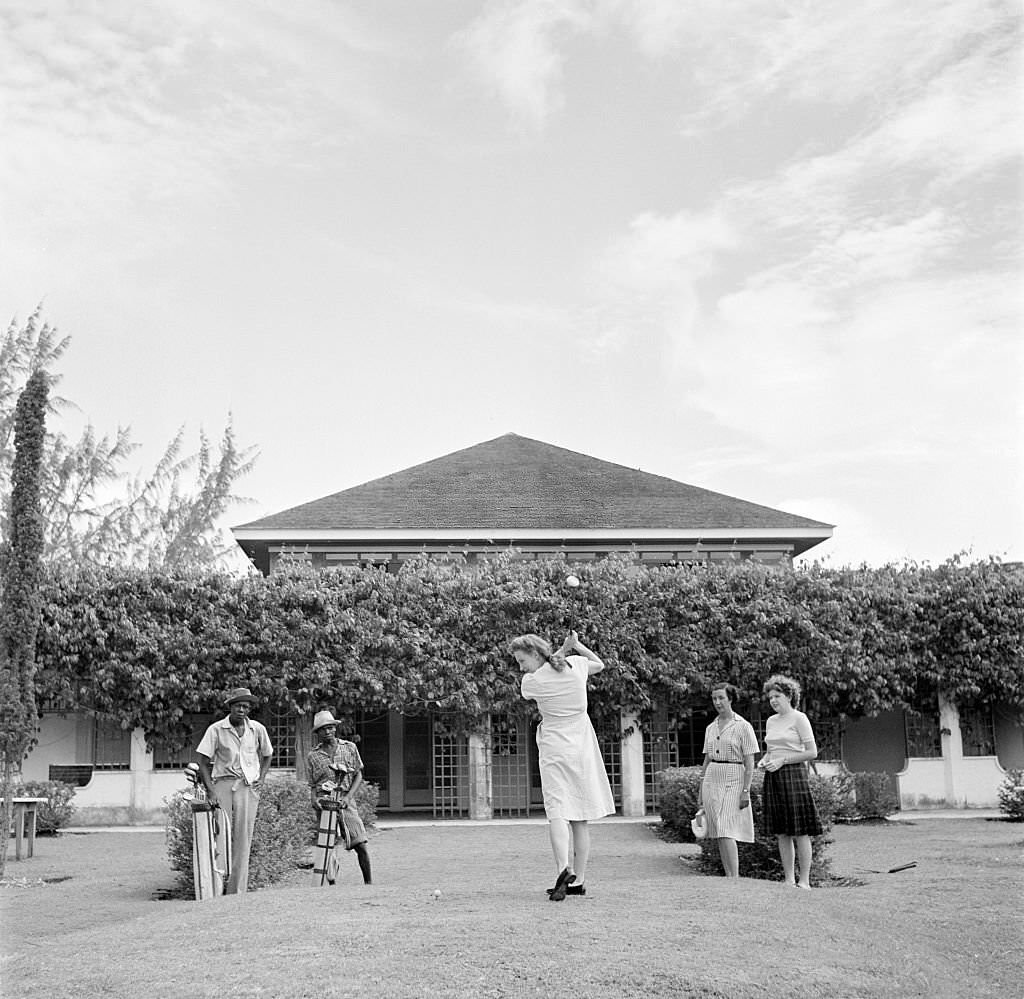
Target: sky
771,248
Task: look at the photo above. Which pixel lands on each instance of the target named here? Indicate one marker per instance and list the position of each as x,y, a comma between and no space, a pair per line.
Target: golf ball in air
572,581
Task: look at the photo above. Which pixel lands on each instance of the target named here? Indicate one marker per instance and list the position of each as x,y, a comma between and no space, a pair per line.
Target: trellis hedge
148,647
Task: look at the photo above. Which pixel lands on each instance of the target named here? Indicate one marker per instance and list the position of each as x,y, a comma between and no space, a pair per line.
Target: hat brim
241,700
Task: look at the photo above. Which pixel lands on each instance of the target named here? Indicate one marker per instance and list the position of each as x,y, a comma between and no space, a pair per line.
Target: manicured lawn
649,926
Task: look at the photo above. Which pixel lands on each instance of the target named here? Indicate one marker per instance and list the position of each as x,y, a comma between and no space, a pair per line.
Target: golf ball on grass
572,581
437,893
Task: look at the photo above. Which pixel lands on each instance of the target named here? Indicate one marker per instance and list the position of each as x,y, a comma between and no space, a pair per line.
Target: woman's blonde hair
784,685
531,643
541,647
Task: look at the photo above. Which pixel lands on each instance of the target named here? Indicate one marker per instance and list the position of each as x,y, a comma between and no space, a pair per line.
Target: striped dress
723,780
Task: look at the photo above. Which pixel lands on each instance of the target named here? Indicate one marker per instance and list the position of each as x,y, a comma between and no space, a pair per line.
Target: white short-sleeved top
558,695
787,733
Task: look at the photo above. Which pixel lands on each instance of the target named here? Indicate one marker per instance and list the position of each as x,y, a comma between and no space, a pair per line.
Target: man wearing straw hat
335,766
234,757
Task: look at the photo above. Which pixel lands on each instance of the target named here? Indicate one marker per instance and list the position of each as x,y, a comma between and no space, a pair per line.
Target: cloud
852,315
514,48
730,55
169,105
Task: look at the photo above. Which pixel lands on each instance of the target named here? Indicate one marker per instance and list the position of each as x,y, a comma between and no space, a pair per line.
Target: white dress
572,773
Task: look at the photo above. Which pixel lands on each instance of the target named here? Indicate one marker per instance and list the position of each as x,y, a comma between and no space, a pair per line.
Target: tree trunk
8,792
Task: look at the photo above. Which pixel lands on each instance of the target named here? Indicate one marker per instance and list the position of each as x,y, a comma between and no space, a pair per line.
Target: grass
649,926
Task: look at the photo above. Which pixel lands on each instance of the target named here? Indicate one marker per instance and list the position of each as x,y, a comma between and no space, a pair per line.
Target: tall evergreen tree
20,570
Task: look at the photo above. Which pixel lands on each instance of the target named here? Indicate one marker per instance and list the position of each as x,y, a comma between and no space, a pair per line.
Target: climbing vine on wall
147,647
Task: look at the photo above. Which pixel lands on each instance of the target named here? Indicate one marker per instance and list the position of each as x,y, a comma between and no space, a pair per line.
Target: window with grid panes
280,727
374,750
661,750
609,738
828,735
450,774
923,737
111,745
978,732
166,759
510,765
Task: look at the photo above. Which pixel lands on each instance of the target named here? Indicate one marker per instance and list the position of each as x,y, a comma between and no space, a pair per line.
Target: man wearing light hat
335,764
234,757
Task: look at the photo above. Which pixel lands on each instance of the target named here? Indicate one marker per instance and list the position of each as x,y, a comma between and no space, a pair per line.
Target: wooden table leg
30,818
19,828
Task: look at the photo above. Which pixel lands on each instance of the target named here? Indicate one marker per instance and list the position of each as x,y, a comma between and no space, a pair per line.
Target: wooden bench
25,825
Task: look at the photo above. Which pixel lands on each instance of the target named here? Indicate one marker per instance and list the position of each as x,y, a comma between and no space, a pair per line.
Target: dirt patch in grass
648,926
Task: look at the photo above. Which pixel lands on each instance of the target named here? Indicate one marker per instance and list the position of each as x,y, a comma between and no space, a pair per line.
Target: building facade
539,501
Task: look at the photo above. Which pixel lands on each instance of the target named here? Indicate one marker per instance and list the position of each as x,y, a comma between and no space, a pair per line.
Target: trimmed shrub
285,829
280,837
846,796
864,795
677,801
760,859
58,810
875,797
1011,795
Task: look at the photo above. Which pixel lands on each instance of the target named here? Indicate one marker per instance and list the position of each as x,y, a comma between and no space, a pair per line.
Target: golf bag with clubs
211,840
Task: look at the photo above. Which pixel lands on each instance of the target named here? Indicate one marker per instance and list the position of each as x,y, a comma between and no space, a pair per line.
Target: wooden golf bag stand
325,863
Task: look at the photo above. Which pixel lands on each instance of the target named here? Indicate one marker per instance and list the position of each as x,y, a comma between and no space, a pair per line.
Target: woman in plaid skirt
788,808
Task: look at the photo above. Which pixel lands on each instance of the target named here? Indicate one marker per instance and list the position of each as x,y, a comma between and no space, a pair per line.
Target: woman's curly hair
784,685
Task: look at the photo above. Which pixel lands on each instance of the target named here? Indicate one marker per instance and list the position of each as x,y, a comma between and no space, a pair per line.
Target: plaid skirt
787,808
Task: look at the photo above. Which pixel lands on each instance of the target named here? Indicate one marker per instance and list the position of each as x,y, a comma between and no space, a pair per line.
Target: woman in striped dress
729,748
789,809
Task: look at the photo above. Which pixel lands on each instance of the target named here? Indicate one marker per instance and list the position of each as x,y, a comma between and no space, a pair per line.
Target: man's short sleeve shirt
233,756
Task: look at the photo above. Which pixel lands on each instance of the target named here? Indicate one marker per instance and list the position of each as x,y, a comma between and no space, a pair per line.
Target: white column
633,790
140,764
952,752
479,745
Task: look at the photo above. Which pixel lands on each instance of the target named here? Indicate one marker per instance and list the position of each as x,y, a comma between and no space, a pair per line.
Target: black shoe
564,880
571,890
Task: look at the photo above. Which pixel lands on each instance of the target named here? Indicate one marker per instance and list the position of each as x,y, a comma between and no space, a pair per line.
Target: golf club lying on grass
892,870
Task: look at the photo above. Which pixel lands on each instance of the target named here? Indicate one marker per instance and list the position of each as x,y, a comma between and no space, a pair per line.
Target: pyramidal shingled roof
516,483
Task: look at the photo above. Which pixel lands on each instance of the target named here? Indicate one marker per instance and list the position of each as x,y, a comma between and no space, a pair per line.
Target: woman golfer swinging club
572,773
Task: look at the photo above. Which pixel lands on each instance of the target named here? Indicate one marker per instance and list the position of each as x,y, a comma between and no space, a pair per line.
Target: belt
734,763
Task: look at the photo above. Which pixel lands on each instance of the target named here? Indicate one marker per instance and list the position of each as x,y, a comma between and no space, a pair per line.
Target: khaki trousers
238,802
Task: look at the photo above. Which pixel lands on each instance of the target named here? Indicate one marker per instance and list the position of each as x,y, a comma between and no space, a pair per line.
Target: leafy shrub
846,796
677,788
677,801
1011,795
875,797
280,837
58,810
864,795
285,829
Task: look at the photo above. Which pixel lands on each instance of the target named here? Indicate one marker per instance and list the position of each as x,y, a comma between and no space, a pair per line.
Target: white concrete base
934,782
